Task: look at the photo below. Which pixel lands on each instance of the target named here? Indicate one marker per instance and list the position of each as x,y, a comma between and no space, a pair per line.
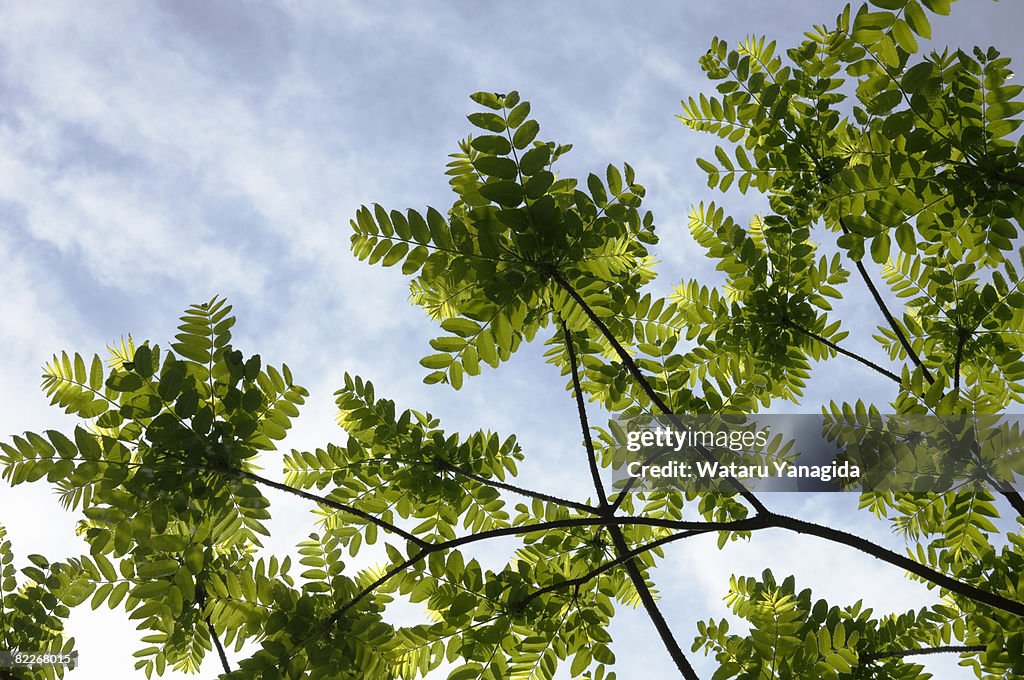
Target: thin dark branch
845,352
890,319
219,646
547,498
611,564
768,520
634,370
1015,500
901,653
651,605
692,528
581,407
627,360
962,588
958,357
1011,495
618,540
387,526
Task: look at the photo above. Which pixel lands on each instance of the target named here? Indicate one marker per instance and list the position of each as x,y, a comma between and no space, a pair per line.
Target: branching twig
581,407
890,319
547,498
618,540
218,645
693,528
611,564
634,370
845,352
383,524
901,653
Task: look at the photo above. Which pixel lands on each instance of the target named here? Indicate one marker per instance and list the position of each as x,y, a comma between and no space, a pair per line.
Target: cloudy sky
155,154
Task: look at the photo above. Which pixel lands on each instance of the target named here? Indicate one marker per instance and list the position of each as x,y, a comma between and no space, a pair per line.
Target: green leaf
535,160
64,446
436,361
494,166
917,77
937,6
904,36
455,375
517,115
538,185
488,99
469,671
526,133
502,330
492,144
917,20
505,193
597,189
487,121
906,238
880,248
128,382
421,233
157,569
580,662
143,361
614,178
151,590
461,327
395,254
415,260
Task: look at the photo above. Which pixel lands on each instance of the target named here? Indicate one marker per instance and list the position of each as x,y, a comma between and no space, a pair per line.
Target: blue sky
155,154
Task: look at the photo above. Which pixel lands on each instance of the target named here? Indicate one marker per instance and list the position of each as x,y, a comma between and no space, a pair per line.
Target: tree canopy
888,157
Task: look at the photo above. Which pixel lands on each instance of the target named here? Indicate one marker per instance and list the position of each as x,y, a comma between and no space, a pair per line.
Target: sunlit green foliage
857,141
33,608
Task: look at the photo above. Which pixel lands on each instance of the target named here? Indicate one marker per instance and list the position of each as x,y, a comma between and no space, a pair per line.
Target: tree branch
845,352
627,360
690,528
581,407
1015,500
219,646
651,605
890,319
387,526
962,336
901,653
1010,494
962,588
768,520
547,498
634,370
618,540
611,564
